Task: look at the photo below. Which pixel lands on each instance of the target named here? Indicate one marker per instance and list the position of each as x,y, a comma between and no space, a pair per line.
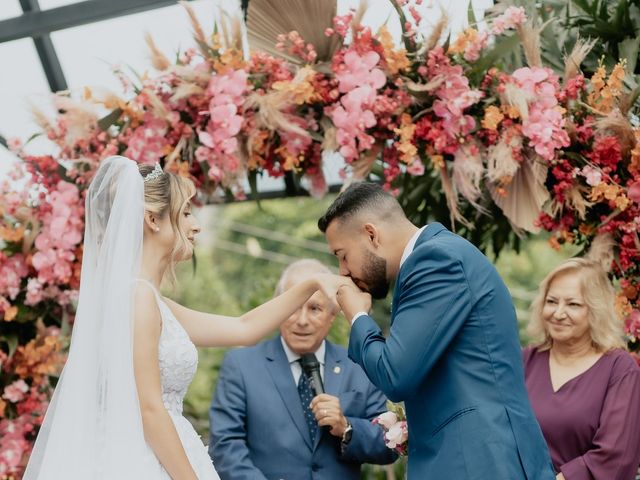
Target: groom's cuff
357,316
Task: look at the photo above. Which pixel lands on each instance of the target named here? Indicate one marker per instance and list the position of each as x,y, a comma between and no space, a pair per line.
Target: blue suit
258,428
453,356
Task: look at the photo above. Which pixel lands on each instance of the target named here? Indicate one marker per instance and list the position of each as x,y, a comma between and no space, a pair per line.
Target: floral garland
552,153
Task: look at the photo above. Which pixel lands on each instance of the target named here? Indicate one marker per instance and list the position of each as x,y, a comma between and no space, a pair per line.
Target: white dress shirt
408,250
296,368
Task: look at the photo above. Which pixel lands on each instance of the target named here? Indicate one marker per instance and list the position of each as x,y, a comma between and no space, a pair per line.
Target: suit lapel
426,235
333,375
280,371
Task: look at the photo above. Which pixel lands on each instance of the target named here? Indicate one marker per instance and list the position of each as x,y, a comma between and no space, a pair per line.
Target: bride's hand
329,284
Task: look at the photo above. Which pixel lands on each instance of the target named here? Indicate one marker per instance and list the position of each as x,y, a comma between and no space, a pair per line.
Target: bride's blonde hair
169,194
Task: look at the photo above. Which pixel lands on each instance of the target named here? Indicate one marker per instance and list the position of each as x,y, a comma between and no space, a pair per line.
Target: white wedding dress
178,360
93,427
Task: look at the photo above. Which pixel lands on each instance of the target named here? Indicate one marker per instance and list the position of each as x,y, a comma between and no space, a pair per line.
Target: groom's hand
328,413
352,300
329,284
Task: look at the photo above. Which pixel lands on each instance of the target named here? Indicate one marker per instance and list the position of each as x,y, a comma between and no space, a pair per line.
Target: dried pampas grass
573,61
468,172
158,60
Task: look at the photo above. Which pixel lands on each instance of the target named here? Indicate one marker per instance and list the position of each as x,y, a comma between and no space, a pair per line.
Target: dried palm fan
526,194
266,19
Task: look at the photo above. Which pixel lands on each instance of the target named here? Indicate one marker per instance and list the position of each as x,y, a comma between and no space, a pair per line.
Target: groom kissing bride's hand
452,354
353,301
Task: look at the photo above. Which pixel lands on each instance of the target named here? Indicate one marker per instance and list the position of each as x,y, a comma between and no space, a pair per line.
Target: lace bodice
177,356
178,360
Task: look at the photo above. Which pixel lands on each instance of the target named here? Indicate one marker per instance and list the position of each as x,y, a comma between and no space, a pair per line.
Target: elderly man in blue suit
452,354
262,425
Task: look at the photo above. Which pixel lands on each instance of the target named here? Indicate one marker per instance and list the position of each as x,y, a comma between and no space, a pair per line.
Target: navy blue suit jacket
258,428
453,356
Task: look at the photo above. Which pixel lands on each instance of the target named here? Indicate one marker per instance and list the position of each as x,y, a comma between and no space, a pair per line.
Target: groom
452,354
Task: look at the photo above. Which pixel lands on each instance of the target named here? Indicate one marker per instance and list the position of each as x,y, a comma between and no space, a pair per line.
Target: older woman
584,387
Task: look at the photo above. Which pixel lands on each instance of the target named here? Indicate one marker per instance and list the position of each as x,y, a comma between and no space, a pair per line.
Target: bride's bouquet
396,431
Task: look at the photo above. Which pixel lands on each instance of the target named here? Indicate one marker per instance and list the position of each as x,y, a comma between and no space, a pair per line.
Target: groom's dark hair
362,197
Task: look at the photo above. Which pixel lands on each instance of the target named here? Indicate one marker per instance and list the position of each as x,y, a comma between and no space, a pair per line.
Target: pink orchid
359,70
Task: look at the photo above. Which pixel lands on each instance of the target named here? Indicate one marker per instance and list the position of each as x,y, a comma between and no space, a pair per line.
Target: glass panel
88,53
21,85
10,9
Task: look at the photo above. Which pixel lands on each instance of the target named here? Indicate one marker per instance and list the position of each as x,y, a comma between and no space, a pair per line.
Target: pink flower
473,49
148,142
359,80
416,168
219,136
386,420
511,18
592,175
634,192
34,292
15,392
397,434
14,144
359,71
632,324
544,126
12,270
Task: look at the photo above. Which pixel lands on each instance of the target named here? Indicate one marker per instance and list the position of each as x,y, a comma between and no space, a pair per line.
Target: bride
117,409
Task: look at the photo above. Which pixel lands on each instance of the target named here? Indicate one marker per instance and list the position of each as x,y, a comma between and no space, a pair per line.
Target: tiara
157,171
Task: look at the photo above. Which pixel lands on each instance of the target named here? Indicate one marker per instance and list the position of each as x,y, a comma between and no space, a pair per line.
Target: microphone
311,368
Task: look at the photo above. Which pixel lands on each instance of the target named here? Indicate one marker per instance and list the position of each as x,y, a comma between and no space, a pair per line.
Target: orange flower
586,229
461,42
492,118
10,313
622,202
258,149
291,162
604,92
41,356
630,292
300,87
554,243
437,160
511,111
405,146
3,406
396,59
10,234
623,306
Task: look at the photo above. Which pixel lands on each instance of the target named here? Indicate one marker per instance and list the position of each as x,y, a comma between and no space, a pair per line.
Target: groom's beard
374,276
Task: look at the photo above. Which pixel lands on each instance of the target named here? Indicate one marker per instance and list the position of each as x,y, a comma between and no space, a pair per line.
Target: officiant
262,425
